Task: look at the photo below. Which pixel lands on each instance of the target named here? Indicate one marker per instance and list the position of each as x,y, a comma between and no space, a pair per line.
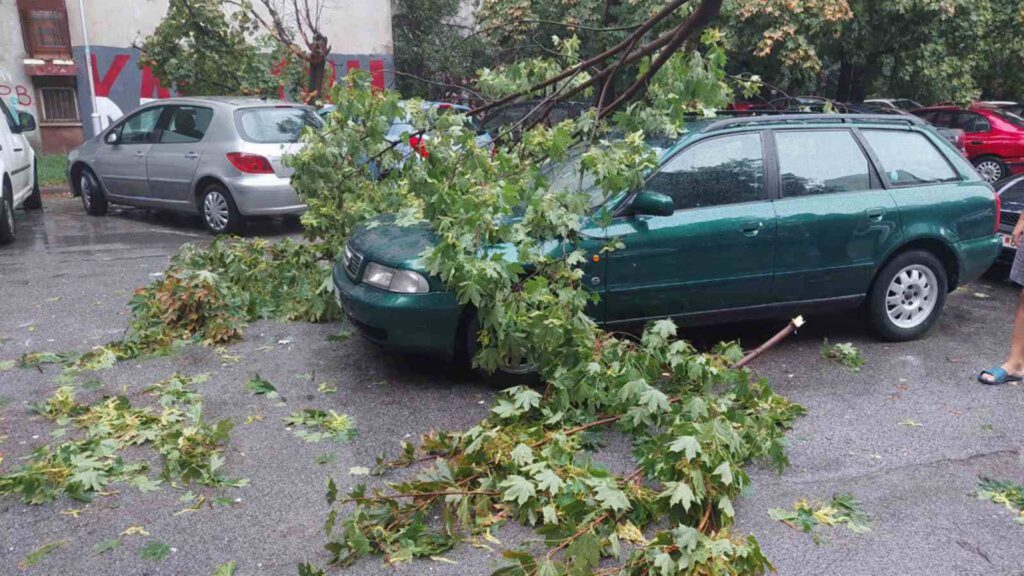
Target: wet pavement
66,281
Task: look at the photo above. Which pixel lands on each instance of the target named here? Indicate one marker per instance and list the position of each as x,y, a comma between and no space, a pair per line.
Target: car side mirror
112,137
26,122
653,204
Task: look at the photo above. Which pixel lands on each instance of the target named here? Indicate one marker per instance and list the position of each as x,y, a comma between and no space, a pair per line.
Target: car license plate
1007,240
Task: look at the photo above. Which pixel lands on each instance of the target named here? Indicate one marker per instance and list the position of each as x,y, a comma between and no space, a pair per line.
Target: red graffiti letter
377,73
151,85
103,86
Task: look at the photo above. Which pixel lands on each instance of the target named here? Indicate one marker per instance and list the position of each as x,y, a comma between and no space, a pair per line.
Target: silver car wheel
85,185
215,210
910,299
989,170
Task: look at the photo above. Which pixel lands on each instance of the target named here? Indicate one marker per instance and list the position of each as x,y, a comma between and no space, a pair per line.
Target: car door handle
18,149
191,155
875,214
752,228
139,153
975,142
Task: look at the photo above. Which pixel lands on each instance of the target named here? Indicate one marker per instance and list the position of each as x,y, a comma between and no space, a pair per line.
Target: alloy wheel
85,185
911,296
989,170
215,210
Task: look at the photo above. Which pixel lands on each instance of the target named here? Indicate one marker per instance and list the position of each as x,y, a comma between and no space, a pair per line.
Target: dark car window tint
820,162
187,124
909,157
12,124
275,125
141,128
972,122
944,118
722,170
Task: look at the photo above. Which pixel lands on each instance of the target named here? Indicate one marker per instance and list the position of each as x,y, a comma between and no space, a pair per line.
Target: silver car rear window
274,124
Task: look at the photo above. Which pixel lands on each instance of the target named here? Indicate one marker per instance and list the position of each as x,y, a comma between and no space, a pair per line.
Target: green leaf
260,387
679,493
549,482
332,491
609,495
522,455
106,546
6,365
227,569
686,444
724,472
517,489
37,555
154,550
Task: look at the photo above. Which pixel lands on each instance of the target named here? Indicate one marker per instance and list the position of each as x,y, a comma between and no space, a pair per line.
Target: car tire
93,199
991,168
466,349
219,212
907,296
6,215
35,199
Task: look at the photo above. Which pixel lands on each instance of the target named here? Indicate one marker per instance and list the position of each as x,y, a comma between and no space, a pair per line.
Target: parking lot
909,435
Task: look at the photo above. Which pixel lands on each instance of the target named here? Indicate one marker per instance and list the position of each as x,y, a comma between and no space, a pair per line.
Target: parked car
994,140
1011,196
19,174
220,157
743,218
419,143
896,103
508,118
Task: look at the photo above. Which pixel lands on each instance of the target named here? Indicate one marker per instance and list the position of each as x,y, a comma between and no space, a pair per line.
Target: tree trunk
318,51
603,96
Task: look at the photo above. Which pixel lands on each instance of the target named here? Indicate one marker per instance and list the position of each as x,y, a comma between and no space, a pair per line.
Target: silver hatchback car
220,157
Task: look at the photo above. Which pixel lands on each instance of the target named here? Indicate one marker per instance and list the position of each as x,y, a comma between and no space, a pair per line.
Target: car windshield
1009,117
276,124
569,175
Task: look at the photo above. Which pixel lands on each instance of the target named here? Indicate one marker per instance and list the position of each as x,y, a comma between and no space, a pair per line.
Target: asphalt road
65,283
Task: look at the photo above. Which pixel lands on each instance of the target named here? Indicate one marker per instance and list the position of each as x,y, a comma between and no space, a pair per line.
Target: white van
19,183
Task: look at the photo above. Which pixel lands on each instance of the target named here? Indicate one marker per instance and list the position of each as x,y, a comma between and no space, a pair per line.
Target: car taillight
999,210
250,163
417,144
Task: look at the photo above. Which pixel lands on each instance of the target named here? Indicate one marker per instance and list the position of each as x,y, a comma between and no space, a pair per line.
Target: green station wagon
743,218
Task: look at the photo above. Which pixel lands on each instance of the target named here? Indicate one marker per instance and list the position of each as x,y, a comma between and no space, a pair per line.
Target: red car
994,140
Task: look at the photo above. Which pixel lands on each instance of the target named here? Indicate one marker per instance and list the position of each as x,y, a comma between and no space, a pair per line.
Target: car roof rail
815,119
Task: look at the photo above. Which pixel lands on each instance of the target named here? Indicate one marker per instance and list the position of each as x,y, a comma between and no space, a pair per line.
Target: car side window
909,157
186,124
141,127
12,124
820,162
722,170
972,122
944,118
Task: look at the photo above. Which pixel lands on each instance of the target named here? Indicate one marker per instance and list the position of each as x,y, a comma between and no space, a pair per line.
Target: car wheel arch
938,247
201,185
76,172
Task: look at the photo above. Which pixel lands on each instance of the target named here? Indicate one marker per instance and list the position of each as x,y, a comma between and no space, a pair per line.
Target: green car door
835,220
714,252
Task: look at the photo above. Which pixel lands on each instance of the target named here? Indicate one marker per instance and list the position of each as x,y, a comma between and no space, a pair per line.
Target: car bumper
265,195
414,323
976,256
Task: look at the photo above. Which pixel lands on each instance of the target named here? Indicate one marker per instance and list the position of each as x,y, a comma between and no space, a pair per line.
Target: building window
60,104
46,32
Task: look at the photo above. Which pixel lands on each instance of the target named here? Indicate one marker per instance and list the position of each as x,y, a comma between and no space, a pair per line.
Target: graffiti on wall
18,97
121,85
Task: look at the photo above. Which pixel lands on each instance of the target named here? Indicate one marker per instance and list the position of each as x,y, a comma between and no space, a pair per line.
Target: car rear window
275,124
909,157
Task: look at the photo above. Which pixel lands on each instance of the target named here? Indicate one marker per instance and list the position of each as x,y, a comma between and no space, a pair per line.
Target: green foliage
226,569
431,43
844,353
190,446
201,48
53,169
261,387
154,550
843,509
37,555
106,546
1009,494
316,425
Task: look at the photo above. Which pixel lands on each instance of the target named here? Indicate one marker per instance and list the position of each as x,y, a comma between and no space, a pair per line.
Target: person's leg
1014,364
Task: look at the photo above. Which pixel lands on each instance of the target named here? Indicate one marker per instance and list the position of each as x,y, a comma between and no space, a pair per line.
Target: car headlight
395,280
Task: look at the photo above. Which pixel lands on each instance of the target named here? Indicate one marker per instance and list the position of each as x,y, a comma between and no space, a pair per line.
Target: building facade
43,69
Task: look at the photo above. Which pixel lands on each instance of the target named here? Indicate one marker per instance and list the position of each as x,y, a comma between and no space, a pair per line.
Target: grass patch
53,169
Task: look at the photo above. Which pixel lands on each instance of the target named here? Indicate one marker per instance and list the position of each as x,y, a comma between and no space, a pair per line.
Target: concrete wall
15,85
359,32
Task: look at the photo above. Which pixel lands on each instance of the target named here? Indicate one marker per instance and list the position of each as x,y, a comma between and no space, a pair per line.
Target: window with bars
46,32
60,104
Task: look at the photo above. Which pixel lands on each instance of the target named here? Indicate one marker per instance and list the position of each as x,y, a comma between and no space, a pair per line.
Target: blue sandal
999,376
